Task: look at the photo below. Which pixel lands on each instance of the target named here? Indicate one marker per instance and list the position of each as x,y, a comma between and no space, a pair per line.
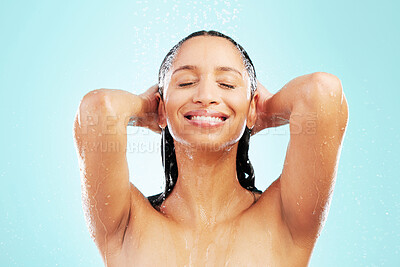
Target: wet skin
209,219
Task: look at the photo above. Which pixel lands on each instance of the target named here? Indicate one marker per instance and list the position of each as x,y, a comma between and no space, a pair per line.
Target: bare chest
226,245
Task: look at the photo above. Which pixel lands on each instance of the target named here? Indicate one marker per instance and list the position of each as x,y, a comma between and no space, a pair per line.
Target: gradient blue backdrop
53,52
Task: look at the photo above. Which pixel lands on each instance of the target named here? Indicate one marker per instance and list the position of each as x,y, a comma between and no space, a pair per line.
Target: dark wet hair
244,169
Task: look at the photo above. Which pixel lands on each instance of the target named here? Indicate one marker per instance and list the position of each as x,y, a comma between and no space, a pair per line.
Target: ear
252,114
162,119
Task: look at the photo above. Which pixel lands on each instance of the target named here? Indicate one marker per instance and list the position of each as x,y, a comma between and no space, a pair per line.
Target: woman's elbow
95,100
91,108
326,85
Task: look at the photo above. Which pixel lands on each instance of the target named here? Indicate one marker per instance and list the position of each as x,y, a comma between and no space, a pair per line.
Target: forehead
208,51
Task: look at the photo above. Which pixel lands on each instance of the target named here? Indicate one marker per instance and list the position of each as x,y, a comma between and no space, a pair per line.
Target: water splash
171,20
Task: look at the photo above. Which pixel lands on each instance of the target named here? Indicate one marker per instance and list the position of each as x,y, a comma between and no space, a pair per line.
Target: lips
206,115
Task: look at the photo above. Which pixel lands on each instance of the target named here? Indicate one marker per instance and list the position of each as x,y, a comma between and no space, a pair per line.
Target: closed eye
185,84
227,85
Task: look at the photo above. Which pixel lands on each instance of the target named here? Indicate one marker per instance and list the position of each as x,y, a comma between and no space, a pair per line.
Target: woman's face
207,97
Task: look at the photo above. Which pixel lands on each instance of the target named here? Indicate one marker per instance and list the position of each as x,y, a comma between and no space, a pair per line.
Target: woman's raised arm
316,108
100,138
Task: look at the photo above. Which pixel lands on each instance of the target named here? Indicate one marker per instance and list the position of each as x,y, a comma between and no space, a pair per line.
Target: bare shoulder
140,217
270,196
266,213
265,218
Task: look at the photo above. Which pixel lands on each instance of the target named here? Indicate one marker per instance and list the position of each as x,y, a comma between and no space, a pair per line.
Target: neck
207,190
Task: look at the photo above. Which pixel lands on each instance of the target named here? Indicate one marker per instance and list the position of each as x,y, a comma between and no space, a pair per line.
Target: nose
206,93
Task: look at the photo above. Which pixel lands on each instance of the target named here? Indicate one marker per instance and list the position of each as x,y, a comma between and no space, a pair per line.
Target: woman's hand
149,119
262,118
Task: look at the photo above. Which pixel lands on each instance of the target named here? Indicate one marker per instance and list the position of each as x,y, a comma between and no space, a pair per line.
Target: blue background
53,53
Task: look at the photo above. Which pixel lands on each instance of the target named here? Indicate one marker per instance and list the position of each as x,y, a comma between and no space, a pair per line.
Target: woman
206,105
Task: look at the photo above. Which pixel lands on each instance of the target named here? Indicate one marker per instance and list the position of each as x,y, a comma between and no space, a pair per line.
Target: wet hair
244,169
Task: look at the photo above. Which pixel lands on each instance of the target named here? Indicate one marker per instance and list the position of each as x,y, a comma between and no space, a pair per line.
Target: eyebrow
191,67
185,67
228,69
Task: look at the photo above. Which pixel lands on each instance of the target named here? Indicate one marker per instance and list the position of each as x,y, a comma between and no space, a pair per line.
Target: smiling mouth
206,118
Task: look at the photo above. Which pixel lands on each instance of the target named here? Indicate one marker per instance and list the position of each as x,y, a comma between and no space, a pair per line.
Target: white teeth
206,118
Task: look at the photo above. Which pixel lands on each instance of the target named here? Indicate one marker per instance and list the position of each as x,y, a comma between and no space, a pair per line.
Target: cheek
240,104
171,109
173,103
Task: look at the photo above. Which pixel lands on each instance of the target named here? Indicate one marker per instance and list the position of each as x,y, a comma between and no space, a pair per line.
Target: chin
206,142
211,146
